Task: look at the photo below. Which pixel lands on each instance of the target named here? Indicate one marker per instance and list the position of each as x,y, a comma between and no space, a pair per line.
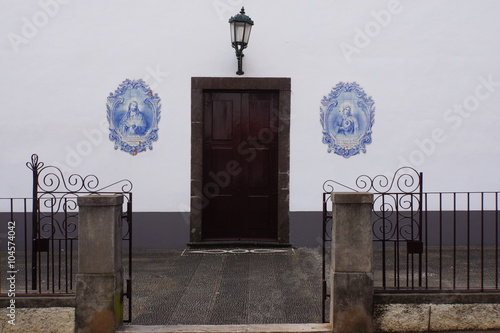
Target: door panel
258,170
257,216
222,129
238,129
221,118
219,157
258,118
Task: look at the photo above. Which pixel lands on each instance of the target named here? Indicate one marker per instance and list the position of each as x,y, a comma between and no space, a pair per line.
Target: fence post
99,286
351,277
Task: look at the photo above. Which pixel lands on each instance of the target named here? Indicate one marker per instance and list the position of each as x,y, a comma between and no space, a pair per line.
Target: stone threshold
237,244
255,328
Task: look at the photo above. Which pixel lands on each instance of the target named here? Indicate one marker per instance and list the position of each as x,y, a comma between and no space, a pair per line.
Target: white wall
425,58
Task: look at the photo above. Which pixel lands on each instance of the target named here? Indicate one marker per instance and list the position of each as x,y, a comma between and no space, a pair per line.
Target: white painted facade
432,68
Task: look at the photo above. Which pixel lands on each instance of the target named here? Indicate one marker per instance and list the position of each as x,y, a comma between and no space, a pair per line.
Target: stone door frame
235,84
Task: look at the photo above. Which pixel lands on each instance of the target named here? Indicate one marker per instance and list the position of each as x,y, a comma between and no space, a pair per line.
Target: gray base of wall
170,230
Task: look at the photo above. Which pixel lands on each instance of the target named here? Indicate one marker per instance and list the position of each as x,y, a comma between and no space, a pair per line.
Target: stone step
255,328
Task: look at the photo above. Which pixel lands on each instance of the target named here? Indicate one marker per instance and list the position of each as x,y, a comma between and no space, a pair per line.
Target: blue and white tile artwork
347,117
133,115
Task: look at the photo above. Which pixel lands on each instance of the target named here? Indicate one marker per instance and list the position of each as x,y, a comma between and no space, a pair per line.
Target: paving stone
226,286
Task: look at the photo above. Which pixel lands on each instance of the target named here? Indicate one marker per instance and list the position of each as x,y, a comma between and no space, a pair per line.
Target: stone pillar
99,282
351,268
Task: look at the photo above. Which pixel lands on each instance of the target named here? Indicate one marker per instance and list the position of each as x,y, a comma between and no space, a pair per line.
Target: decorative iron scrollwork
404,180
54,181
34,164
56,198
331,186
396,204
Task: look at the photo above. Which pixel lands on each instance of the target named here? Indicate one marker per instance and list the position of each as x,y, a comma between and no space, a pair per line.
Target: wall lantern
241,26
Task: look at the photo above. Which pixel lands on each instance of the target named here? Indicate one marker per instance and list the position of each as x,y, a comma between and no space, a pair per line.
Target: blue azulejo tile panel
133,114
347,117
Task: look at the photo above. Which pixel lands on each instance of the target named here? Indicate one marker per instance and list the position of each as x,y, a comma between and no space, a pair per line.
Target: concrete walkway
226,286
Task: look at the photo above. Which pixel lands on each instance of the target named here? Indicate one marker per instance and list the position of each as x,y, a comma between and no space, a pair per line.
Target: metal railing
51,269
426,241
39,235
453,244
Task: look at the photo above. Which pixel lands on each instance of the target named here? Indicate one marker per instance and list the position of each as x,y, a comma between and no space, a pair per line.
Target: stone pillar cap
352,197
100,200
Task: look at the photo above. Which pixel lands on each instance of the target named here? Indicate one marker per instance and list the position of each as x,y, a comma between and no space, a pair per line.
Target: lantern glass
240,32
246,34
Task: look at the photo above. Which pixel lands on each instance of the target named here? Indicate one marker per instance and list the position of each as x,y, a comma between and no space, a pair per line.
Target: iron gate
397,223
54,229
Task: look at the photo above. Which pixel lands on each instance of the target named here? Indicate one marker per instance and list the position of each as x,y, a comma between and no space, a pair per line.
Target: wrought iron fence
40,234
461,237
426,241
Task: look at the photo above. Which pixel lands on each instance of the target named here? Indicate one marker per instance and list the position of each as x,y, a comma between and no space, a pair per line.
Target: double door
240,166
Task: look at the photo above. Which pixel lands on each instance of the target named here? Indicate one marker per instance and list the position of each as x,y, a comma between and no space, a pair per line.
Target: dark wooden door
240,166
